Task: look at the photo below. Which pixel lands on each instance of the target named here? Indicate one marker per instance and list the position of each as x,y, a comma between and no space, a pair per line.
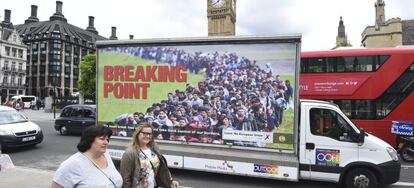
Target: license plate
29,138
400,145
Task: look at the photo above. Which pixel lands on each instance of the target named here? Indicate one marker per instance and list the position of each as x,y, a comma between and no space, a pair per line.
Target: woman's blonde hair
135,140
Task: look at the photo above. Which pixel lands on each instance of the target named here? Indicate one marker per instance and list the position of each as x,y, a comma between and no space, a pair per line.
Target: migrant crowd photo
235,93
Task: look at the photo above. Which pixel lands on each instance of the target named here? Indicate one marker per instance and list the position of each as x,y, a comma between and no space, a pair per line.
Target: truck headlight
392,153
5,132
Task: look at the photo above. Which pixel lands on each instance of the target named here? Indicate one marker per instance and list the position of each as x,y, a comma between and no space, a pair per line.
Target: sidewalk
22,177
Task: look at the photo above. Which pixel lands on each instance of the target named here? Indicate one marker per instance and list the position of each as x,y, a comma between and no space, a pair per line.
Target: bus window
350,64
345,106
332,64
316,65
364,63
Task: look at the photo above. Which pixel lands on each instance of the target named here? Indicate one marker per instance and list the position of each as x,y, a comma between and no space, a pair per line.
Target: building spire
341,28
341,38
379,13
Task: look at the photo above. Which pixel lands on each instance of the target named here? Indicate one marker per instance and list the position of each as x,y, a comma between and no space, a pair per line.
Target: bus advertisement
373,87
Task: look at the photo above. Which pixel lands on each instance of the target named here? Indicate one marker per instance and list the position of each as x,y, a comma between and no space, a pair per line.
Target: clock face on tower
218,3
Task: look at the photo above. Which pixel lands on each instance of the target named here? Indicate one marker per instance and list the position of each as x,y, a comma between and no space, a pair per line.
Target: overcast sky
316,20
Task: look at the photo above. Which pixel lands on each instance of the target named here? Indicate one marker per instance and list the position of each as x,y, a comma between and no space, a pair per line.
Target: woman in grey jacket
142,164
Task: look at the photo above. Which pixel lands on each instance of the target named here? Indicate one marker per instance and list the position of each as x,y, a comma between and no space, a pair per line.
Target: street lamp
54,97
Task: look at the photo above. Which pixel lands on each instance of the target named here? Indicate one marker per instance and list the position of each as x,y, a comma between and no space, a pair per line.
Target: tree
87,81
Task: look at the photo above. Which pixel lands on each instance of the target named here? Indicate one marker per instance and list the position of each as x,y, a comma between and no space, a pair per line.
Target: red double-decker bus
373,87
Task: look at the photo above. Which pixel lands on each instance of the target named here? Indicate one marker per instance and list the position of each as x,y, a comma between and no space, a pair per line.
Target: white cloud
317,20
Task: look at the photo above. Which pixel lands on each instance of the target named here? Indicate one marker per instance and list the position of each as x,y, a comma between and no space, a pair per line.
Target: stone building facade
13,53
387,33
55,50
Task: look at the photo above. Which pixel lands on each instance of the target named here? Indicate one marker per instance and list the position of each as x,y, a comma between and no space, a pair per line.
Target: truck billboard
220,91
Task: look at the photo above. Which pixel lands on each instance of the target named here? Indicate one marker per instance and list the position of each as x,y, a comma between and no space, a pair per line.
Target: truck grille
26,133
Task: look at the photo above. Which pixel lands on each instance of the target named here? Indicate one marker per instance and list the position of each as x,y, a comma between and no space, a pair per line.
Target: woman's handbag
163,177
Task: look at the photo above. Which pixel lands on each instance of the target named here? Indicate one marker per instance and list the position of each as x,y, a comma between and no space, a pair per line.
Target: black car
75,118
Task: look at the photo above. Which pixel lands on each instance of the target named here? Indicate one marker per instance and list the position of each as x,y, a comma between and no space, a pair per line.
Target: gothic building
341,38
221,15
12,60
55,50
387,33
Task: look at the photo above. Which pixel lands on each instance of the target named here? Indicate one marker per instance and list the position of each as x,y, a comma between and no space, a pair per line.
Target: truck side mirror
361,136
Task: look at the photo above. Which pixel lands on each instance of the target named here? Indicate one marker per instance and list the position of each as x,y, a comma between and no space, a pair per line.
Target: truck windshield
10,116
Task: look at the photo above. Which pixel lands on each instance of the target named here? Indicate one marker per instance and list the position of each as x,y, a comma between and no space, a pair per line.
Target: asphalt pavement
24,177
34,174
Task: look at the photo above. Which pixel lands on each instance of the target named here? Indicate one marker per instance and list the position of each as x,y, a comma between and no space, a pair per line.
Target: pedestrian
19,105
92,166
142,164
38,104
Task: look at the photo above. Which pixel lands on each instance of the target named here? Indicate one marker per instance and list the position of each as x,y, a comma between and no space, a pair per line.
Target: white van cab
16,130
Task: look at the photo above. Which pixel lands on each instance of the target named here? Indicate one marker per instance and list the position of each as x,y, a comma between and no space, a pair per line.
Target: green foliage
87,81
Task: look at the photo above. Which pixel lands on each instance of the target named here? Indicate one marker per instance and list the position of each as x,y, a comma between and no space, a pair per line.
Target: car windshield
11,116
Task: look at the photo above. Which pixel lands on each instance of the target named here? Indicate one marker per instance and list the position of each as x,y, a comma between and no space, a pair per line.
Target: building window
43,45
7,50
13,66
12,81
84,52
56,35
14,52
6,65
5,79
20,53
34,46
68,48
67,82
19,81
20,66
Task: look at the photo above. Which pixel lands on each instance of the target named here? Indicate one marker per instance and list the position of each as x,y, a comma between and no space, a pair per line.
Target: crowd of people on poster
237,94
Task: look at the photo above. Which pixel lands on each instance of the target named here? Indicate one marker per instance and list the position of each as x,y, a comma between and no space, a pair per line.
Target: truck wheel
406,154
360,178
63,130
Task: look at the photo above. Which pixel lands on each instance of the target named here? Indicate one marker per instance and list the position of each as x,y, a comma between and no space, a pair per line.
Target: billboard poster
239,94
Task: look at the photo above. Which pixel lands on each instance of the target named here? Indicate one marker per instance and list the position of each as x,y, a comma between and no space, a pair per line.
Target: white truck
230,105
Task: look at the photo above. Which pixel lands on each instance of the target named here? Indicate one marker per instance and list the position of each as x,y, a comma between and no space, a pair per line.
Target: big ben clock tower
221,15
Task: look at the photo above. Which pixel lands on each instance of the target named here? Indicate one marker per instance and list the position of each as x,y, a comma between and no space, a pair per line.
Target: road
56,148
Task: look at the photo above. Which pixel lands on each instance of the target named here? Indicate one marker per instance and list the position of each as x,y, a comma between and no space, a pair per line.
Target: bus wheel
360,178
63,130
